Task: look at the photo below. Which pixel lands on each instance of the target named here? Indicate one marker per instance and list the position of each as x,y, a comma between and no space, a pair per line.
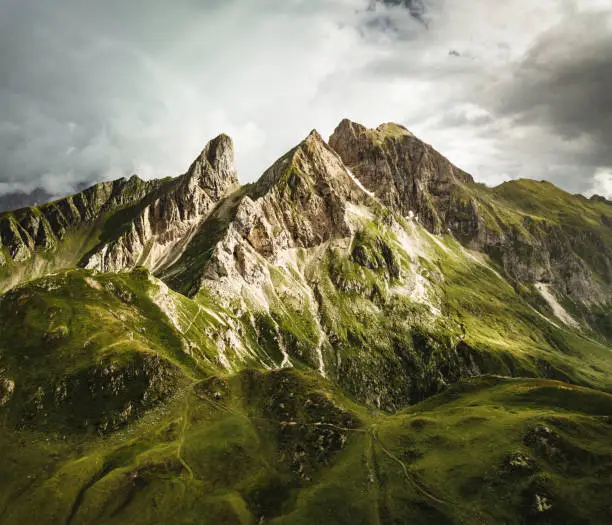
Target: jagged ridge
337,264
116,225
534,231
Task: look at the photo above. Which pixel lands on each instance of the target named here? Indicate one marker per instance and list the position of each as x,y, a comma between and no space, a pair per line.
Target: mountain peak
220,150
346,122
600,198
311,165
215,169
347,128
404,172
391,129
315,135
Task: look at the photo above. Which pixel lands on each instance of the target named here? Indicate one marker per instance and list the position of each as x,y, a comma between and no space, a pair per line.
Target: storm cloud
416,8
94,90
564,85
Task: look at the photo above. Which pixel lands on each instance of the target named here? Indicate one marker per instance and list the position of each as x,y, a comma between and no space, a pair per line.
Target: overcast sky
92,90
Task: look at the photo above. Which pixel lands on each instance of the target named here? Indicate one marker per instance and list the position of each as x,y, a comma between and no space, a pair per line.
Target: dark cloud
565,84
416,8
402,19
20,199
86,90
95,90
528,101
557,104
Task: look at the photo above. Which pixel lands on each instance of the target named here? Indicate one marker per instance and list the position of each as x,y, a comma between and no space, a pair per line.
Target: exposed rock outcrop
299,202
24,231
534,231
117,225
402,171
160,227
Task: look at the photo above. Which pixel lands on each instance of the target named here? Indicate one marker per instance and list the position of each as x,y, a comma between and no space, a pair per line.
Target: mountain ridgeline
363,335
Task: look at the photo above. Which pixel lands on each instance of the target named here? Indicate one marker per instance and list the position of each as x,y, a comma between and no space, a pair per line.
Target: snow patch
286,363
557,309
412,217
358,182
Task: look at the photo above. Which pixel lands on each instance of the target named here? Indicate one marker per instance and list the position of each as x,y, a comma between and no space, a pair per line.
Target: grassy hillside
286,447
394,314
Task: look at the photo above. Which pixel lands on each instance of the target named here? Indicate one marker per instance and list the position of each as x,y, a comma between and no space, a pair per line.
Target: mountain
365,334
116,225
534,231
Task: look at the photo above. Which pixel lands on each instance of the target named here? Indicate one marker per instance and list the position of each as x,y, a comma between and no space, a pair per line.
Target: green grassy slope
88,351
394,314
550,234
587,226
286,447
544,199
534,231
93,350
116,407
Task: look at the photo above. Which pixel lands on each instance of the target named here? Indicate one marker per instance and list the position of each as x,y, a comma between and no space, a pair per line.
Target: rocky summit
363,335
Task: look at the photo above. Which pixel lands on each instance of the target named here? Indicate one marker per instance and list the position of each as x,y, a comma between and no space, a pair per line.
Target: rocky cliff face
554,238
320,269
300,202
534,231
160,227
26,230
403,172
344,257
37,241
286,322
116,225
